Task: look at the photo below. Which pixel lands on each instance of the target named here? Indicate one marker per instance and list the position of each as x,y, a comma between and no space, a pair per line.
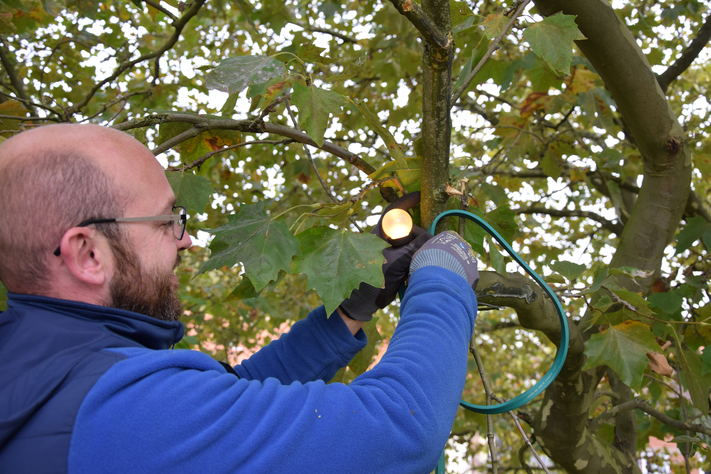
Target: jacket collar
145,330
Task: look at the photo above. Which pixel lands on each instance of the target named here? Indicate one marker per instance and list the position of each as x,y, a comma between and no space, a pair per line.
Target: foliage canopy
580,130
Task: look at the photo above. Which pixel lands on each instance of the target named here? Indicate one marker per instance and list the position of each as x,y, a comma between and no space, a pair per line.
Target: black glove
366,299
448,250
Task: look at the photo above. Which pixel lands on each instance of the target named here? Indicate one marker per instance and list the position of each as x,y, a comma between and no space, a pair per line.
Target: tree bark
561,425
436,121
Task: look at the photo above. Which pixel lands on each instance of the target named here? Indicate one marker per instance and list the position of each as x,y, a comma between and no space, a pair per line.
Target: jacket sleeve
178,411
313,349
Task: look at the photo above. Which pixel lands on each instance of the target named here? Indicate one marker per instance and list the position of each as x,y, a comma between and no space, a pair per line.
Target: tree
578,129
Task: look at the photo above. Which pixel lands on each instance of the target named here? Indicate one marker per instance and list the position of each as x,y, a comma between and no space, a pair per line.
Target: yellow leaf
582,80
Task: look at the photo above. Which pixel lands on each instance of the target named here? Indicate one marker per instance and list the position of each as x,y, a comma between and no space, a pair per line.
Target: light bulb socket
401,241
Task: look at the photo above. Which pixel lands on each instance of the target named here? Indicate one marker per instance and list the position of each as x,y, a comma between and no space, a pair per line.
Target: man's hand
366,299
448,250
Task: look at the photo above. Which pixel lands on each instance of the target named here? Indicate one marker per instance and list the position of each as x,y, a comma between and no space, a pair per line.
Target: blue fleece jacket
86,389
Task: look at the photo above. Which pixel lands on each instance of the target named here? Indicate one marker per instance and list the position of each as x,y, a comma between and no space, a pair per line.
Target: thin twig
313,164
206,157
684,415
29,103
528,441
674,390
160,8
27,119
370,186
121,98
308,154
14,78
641,405
489,397
333,33
460,90
126,65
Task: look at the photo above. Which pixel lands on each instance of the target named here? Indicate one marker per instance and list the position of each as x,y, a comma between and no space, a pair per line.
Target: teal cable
553,372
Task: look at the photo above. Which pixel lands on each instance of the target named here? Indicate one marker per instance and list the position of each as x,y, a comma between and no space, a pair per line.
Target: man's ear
86,255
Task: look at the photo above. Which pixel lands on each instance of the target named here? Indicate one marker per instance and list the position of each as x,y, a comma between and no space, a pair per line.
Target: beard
146,291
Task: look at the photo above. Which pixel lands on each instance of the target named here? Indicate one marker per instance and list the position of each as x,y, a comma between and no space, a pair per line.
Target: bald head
54,177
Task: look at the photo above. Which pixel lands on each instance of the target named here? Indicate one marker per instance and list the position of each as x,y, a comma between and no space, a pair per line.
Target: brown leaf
658,363
533,102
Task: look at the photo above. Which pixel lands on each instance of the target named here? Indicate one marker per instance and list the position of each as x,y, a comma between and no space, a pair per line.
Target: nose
185,242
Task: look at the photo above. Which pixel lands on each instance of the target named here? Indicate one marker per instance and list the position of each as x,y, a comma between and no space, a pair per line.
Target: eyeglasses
179,221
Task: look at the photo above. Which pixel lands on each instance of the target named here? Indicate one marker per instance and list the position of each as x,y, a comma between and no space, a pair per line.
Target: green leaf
407,175
497,260
494,25
706,360
550,166
603,303
631,272
87,8
235,74
598,278
692,231
314,106
635,301
191,191
464,25
197,147
246,8
374,122
692,376
337,261
329,214
262,245
668,302
360,363
16,4
466,69
6,25
624,349
229,106
552,40
245,290
503,219
569,270
349,71
311,53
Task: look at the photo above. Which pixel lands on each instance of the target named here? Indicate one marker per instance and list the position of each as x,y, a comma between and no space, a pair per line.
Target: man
89,241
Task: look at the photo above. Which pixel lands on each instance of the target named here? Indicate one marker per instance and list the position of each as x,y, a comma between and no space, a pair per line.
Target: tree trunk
436,121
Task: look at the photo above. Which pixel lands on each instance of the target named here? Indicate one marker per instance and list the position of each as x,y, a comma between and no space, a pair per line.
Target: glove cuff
437,258
361,304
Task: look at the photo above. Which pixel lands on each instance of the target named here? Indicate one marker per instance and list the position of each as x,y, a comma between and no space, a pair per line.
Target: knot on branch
673,145
498,290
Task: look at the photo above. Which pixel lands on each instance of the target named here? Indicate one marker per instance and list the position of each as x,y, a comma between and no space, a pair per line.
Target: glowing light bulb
397,224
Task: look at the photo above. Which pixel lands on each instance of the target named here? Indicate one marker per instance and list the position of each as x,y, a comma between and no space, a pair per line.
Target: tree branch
27,119
206,157
695,205
494,45
202,124
614,227
158,7
325,31
126,65
14,79
467,103
412,11
687,57
641,405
